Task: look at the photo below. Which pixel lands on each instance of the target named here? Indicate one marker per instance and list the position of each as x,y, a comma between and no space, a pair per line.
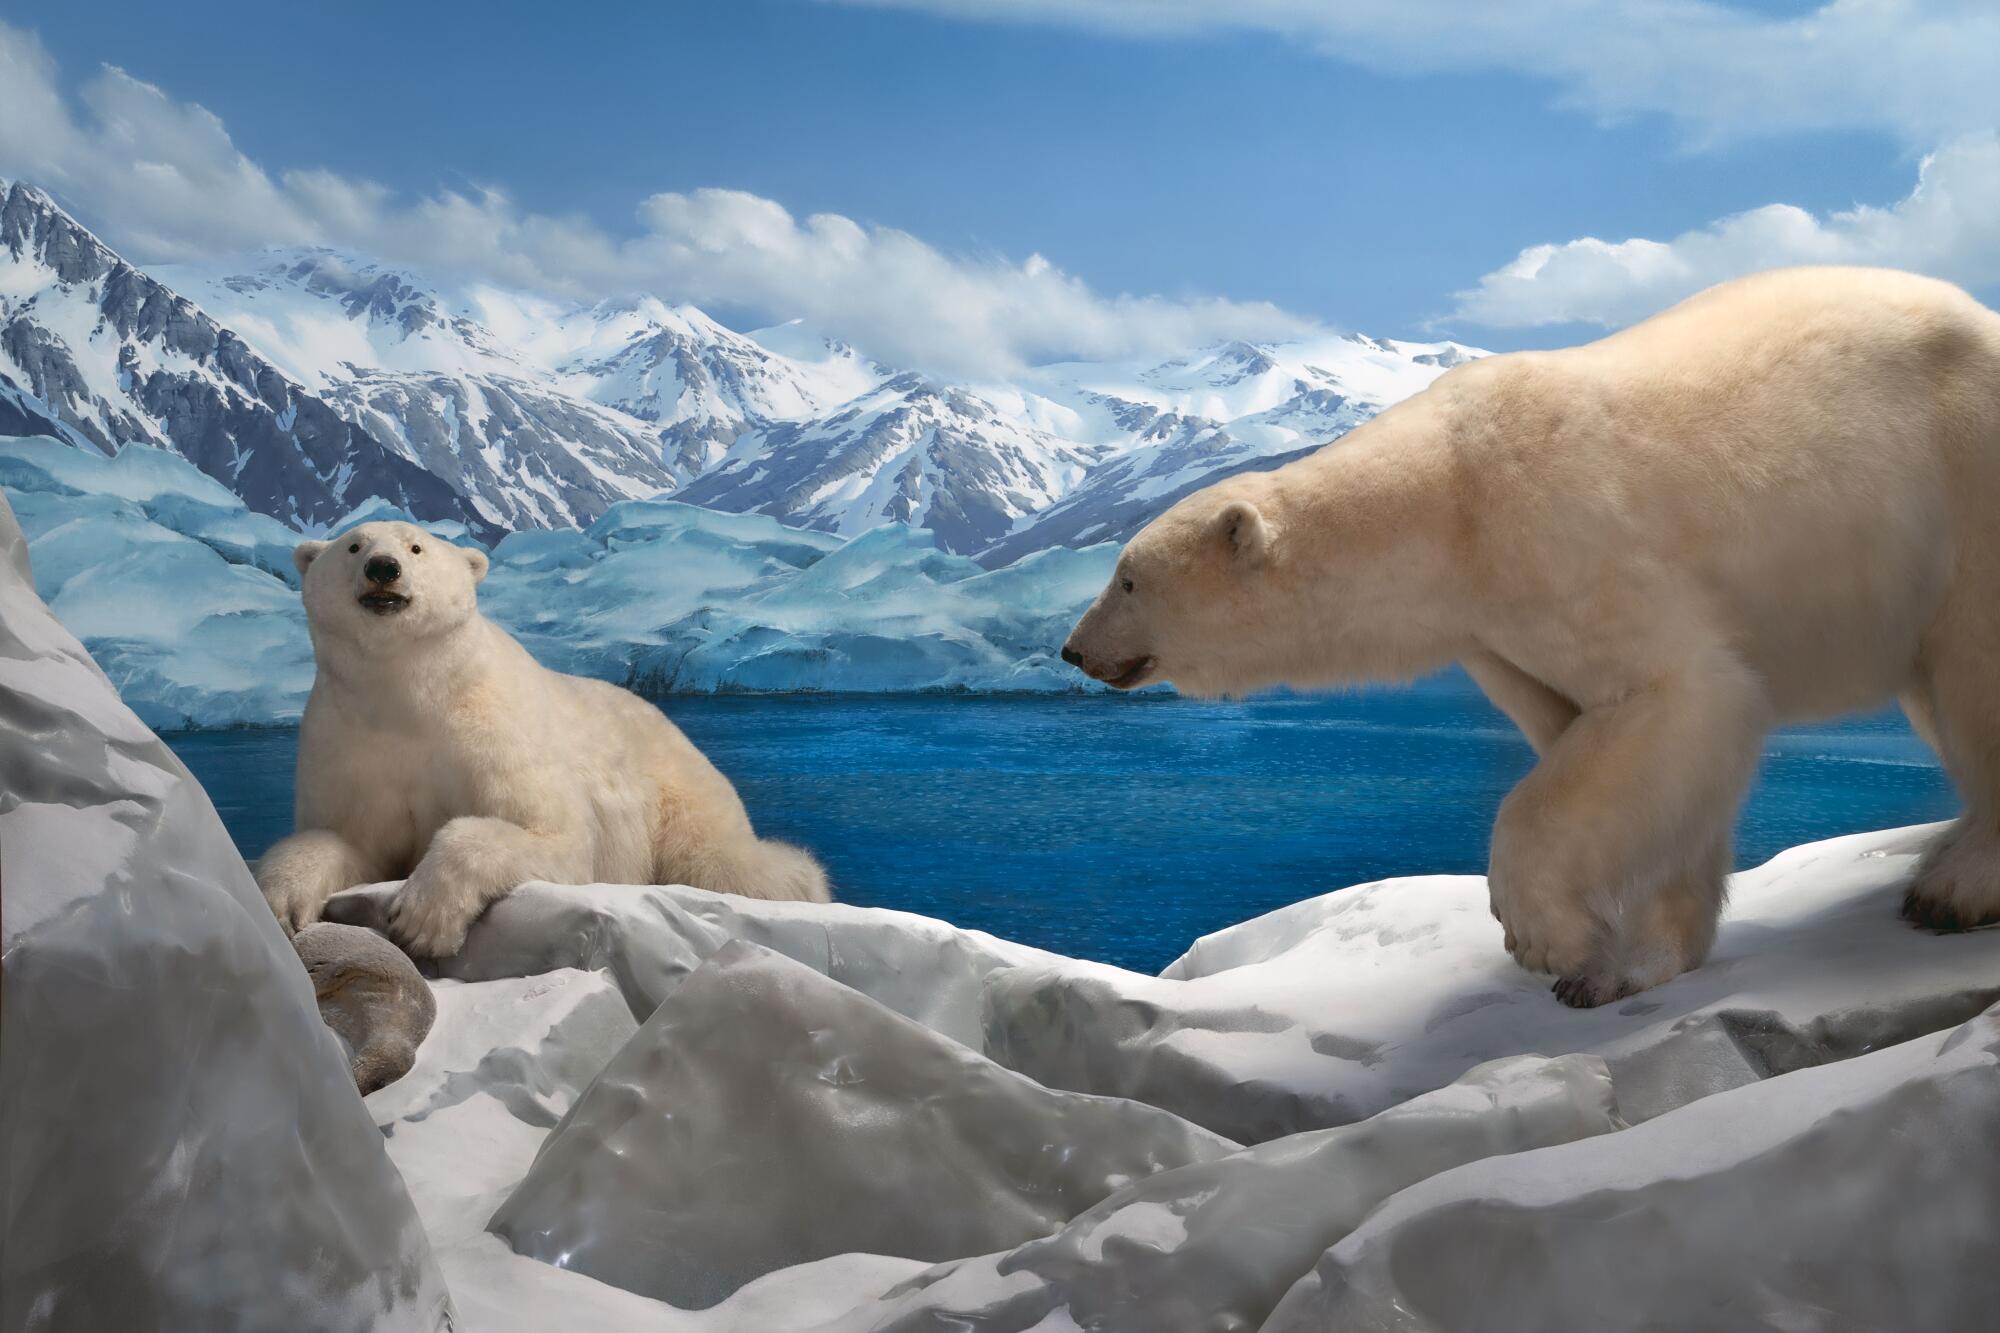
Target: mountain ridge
311,380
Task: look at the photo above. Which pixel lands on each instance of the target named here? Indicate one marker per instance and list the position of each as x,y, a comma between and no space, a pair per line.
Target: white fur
435,749
1779,500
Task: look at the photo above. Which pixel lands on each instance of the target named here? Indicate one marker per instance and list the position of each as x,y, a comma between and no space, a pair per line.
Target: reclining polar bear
435,749
1779,500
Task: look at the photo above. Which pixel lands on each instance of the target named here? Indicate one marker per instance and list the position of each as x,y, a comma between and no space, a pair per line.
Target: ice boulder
1332,1009
505,1061
1216,1244
185,1148
766,1116
1859,1195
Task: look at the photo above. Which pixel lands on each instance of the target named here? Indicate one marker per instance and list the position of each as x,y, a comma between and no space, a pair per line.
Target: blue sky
1358,177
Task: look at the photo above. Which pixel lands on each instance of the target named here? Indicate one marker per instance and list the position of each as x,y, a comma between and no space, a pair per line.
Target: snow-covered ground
1355,1112
190,603
657,1108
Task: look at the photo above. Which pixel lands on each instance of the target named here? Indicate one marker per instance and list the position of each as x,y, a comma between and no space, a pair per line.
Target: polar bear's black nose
382,569
1072,656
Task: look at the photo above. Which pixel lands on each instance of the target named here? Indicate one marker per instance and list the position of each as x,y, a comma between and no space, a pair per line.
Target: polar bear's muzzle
1119,676
381,571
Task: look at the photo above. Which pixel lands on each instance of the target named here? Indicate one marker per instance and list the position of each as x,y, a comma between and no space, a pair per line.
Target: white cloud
1948,226
161,180
1922,70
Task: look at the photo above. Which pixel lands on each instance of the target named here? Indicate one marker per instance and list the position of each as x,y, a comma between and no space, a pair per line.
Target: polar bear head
1200,597
382,582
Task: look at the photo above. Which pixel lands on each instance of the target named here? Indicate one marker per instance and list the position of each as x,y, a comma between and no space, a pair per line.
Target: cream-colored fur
435,748
1779,500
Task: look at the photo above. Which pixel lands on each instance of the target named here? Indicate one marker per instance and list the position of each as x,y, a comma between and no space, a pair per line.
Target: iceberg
189,600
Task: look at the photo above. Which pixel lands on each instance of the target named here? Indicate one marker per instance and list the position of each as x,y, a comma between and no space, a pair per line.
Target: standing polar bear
436,750
1779,500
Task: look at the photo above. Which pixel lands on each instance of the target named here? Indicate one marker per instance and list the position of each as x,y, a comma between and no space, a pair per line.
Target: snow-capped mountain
308,380
911,451
96,352
1169,429
542,414
423,373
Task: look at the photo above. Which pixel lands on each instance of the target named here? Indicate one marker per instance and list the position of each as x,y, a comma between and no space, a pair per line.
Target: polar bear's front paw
430,919
296,907
1541,937
1592,987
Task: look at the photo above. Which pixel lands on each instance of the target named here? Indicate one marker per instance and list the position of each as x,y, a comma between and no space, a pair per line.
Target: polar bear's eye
354,548
416,550
1127,584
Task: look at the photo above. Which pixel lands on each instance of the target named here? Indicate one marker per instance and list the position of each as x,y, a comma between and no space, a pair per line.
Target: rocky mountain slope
101,354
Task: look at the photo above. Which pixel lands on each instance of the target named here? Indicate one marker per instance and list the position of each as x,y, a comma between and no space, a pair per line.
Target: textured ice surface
1214,1245
1861,1195
189,600
184,1145
796,1120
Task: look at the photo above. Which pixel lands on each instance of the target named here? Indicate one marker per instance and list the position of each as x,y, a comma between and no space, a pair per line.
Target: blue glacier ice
189,600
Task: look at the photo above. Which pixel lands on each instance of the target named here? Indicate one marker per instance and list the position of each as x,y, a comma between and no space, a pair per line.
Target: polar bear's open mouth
1131,675
383,602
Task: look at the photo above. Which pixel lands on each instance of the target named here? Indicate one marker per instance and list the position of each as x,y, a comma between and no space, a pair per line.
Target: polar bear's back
1804,455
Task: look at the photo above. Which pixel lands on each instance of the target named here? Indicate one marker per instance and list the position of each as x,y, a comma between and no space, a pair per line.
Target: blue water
1122,828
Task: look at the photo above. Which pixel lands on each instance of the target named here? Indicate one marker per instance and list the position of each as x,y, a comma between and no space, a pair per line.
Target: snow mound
1335,1008
185,1148
808,1121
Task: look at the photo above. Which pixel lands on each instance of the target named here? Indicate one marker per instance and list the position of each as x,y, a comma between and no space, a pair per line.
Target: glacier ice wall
189,601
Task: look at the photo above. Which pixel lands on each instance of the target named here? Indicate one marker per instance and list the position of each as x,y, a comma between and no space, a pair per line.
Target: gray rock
766,1116
371,995
184,1148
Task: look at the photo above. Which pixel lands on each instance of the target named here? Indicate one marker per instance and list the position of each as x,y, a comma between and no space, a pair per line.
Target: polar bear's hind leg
1957,884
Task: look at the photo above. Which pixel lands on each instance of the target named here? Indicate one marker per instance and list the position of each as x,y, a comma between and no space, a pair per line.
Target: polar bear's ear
477,559
1243,526
305,553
